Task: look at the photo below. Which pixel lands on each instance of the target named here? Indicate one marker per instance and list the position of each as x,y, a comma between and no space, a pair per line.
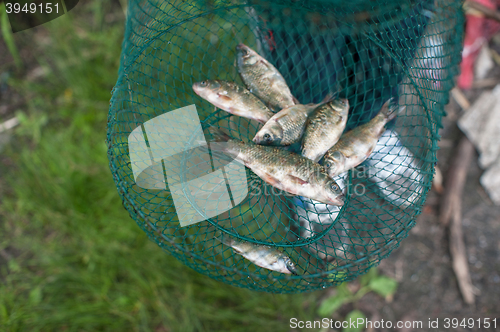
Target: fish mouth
197,88
338,201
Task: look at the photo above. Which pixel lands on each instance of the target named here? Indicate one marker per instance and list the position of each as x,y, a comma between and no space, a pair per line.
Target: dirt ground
428,287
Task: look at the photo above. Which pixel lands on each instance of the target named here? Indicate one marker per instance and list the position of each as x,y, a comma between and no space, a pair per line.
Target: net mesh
367,51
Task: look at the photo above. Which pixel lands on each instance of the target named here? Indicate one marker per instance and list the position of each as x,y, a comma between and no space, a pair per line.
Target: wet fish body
355,146
261,255
283,169
324,128
233,99
263,79
285,127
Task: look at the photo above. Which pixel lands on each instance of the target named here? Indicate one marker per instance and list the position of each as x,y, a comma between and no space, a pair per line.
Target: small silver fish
356,145
264,256
233,99
324,128
263,79
282,169
285,127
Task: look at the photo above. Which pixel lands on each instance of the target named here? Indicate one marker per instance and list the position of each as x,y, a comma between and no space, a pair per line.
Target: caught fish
261,255
287,126
357,144
324,128
233,99
263,79
282,169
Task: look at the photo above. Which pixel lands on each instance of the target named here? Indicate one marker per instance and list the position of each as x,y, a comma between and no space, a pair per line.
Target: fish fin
224,97
271,180
222,142
297,180
218,135
329,97
236,36
224,239
295,100
390,110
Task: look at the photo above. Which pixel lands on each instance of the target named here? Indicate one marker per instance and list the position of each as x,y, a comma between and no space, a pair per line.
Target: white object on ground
9,124
481,124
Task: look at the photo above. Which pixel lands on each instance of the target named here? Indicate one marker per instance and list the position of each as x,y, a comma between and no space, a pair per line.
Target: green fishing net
185,196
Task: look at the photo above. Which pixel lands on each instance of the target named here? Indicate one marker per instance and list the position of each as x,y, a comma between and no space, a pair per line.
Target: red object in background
478,30
270,40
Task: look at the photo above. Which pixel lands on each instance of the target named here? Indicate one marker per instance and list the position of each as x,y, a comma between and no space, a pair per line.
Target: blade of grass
8,36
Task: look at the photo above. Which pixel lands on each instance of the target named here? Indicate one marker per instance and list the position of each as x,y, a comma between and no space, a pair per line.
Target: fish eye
328,165
334,187
204,83
267,137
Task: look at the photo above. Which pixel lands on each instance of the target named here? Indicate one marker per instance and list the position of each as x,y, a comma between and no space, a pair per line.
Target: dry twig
456,180
460,98
459,257
451,210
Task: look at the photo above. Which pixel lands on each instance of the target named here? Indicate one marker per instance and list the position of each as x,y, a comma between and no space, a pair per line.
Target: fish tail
328,98
331,95
224,239
236,35
389,110
222,142
218,135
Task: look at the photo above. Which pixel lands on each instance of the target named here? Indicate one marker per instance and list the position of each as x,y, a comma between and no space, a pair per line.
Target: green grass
73,260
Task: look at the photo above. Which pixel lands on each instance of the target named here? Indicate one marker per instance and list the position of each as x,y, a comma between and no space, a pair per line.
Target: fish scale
324,127
293,129
263,79
233,98
285,127
284,170
261,255
356,145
